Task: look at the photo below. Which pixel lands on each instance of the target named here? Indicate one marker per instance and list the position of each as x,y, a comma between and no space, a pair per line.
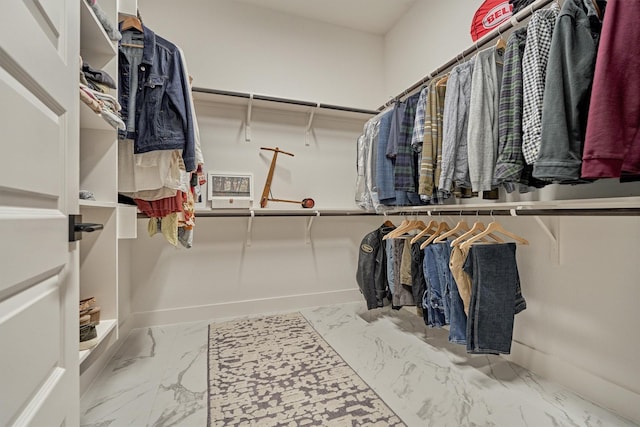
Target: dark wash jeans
492,307
433,301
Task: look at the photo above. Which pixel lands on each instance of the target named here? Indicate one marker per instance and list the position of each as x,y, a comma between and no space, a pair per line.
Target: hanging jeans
417,272
433,301
492,307
453,303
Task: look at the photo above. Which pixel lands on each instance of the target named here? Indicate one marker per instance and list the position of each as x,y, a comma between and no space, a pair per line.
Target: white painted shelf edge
97,204
103,329
89,119
466,208
601,203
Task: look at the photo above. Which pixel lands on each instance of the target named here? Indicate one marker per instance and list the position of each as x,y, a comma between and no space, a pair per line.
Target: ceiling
372,16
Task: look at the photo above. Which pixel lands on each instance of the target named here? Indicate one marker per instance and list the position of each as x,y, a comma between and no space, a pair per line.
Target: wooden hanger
477,227
598,11
405,227
494,227
131,22
443,80
403,224
461,226
442,227
428,229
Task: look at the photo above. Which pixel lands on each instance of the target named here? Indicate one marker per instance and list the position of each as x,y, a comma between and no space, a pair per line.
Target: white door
39,45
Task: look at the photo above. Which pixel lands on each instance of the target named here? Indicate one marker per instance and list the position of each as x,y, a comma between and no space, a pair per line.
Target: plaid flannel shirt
405,165
534,69
510,160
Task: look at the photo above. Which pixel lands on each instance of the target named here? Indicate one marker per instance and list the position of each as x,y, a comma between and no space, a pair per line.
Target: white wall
427,36
580,325
223,276
239,47
322,170
230,271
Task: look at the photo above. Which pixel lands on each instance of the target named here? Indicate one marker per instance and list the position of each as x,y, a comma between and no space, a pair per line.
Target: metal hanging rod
271,213
283,100
444,212
532,212
486,39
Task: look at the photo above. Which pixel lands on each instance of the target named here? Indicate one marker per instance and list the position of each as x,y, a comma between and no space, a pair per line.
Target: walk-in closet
348,212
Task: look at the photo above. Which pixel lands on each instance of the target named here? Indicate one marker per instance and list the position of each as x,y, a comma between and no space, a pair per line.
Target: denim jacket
155,85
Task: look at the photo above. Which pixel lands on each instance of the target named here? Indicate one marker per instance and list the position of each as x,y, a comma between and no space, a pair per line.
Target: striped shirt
430,163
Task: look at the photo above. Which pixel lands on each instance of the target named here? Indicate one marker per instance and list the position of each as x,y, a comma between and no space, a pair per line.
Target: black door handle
77,227
88,227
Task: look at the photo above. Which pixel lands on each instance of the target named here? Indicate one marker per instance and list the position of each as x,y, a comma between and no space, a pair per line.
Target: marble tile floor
158,377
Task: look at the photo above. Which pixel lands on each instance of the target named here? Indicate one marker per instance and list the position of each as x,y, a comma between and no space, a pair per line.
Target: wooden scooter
266,192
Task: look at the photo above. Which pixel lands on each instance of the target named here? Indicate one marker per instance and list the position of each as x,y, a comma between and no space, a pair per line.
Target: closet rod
283,100
434,213
486,39
528,212
305,213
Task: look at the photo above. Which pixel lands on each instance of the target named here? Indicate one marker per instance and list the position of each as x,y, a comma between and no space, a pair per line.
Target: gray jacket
567,91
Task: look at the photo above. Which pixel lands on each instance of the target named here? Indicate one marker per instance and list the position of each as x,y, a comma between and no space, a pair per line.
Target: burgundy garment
612,143
163,207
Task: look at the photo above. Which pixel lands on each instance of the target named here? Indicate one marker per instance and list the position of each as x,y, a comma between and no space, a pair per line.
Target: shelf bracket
250,226
247,126
307,238
307,132
554,238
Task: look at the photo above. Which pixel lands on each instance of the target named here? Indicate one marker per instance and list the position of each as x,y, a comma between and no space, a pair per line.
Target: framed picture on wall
230,190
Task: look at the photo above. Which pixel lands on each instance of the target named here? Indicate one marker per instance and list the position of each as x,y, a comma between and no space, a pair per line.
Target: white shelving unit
99,174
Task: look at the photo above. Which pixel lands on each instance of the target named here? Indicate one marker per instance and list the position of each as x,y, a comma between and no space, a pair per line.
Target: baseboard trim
603,392
242,308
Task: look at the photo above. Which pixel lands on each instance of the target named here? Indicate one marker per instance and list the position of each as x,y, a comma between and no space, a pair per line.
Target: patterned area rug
278,371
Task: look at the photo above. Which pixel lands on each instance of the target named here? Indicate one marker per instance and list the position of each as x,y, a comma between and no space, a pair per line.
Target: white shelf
279,104
97,49
265,212
595,203
103,329
89,119
98,157
127,223
97,204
